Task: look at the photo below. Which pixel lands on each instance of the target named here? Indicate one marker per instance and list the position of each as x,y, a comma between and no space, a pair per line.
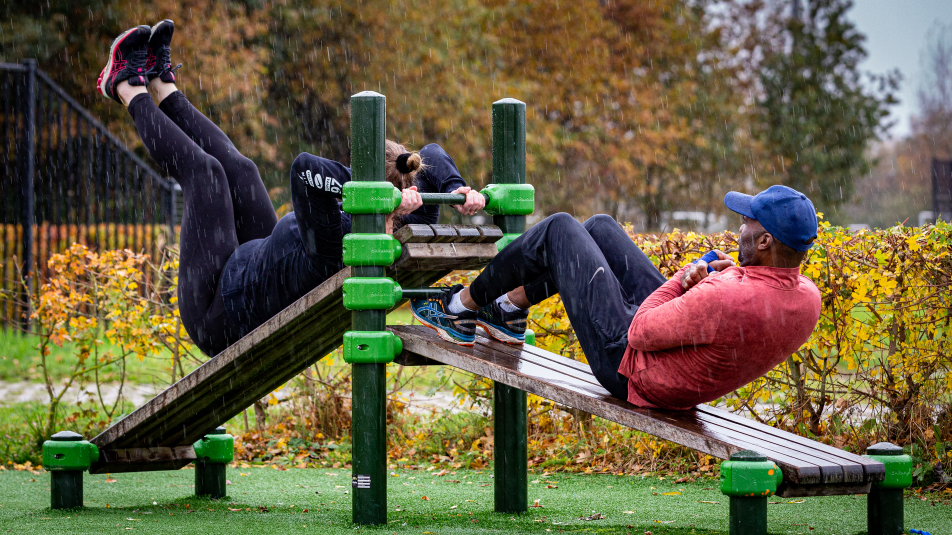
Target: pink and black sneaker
160,52
128,60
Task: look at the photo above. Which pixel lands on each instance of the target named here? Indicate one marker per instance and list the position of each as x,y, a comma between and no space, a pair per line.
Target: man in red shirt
707,331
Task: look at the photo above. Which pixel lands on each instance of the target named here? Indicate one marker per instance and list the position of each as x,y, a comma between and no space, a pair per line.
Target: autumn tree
818,115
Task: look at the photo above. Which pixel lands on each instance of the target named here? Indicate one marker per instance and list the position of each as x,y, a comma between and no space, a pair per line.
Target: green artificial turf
265,500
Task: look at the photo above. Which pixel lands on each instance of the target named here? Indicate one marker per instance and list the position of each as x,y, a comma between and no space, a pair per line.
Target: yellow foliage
91,299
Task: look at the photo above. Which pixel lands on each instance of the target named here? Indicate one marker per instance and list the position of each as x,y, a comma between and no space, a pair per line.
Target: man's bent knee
600,220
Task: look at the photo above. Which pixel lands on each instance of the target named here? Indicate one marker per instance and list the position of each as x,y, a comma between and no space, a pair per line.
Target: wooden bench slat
809,468
553,370
134,459
874,471
444,256
490,233
468,234
444,234
851,473
414,233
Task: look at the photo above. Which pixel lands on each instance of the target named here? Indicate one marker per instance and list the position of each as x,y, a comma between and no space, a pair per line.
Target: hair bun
408,162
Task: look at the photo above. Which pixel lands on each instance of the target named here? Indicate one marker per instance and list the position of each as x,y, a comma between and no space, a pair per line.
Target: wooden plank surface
266,358
444,234
444,256
489,233
162,458
414,233
807,466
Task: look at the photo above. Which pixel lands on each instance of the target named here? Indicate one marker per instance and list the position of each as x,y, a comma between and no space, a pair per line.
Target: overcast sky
896,38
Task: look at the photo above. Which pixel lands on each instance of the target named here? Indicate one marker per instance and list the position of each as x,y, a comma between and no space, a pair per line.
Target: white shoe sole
498,335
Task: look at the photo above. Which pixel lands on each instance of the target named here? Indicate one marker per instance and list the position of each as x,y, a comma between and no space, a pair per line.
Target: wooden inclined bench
809,468
159,434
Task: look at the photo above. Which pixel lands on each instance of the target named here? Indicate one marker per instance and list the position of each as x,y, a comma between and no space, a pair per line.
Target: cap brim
740,203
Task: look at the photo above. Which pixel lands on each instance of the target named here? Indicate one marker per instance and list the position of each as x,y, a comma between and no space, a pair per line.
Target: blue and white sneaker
434,312
508,327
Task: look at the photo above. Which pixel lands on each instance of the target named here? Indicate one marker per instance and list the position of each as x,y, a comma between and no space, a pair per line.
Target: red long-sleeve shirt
686,348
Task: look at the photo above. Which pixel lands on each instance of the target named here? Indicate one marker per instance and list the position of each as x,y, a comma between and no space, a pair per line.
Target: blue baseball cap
785,213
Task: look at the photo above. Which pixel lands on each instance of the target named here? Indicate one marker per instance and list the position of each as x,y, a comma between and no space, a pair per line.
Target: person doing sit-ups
707,331
239,265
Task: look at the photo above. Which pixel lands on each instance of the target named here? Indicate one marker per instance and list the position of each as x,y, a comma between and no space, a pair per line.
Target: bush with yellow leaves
108,306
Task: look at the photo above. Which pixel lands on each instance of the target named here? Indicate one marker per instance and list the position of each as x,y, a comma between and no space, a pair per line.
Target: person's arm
439,175
672,317
320,173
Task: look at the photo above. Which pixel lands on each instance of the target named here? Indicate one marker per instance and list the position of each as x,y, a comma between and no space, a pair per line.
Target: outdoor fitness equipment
171,430
369,294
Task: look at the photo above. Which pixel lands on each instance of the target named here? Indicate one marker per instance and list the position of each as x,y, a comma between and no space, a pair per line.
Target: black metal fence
65,179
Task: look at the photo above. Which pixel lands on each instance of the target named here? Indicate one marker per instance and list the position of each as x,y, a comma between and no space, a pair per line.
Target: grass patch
20,361
272,501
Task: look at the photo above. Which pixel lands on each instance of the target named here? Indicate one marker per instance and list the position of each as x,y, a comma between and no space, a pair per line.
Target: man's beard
745,250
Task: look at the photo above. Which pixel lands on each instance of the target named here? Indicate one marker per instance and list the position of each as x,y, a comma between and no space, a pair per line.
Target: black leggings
226,204
230,225
600,273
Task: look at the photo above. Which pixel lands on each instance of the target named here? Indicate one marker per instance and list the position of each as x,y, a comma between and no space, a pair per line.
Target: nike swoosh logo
601,269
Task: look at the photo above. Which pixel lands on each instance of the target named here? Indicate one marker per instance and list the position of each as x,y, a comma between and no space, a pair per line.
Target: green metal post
66,489
368,127
748,478
884,511
213,453
509,404
66,455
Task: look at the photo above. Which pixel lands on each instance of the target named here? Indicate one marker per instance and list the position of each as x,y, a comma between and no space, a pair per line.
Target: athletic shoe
160,52
128,57
508,327
434,312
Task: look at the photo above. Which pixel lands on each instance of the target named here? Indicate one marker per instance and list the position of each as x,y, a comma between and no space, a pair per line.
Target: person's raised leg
634,270
254,214
208,236
559,247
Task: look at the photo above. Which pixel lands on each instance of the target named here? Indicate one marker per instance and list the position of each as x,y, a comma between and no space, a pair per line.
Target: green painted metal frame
511,466
368,127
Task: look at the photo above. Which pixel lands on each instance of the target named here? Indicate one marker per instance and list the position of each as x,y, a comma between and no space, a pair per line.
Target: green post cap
371,249
215,447
67,451
509,199
898,465
371,197
371,293
505,240
530,337
749,474
371,347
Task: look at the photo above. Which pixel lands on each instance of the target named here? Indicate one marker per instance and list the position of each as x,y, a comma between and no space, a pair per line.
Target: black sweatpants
227,209
600,273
